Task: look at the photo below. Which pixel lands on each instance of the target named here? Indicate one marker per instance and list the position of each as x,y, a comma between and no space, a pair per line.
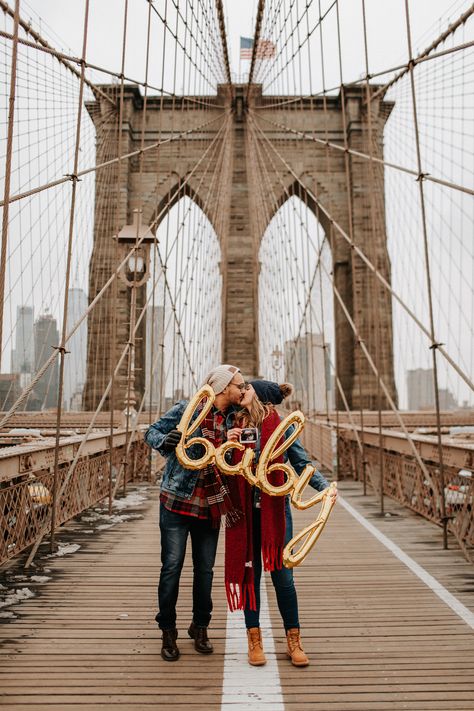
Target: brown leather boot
294,649
202,643
169,648
256,655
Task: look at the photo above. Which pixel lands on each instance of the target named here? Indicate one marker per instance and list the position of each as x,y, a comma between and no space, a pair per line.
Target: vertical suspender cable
62,345
434,342
116,259
8,170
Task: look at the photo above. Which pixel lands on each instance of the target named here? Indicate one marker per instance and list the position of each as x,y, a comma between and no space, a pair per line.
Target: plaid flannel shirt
197,506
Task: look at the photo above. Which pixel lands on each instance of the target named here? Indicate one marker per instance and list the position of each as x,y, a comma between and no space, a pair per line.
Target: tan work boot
256,656
294,649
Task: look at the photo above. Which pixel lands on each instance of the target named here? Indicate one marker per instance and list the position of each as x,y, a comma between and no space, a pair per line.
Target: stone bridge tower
167,175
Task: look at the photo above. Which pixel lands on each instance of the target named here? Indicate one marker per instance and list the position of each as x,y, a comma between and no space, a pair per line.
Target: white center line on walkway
244,686
464,613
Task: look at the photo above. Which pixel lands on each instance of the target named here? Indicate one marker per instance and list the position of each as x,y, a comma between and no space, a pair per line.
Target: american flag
265,49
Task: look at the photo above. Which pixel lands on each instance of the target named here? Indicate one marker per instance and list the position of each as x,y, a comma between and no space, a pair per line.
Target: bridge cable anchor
421,177
61,349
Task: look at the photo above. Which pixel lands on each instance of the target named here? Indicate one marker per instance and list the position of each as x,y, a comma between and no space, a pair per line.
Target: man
192,503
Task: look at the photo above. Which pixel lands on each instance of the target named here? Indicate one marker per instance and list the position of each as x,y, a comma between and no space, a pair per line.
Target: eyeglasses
242,386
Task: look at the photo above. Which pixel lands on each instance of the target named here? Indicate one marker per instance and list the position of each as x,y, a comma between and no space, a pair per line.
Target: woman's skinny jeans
282,579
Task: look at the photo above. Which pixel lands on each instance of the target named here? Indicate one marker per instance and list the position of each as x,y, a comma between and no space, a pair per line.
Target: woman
265,526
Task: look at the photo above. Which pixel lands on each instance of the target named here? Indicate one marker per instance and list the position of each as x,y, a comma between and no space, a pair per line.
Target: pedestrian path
378,636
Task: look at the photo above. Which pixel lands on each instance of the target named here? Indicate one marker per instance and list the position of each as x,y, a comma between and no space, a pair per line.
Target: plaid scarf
239,553
217,492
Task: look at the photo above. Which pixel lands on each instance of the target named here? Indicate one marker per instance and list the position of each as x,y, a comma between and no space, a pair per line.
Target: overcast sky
385,28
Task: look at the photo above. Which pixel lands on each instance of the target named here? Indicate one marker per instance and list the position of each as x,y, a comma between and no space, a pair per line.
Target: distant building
9,389
154,359
307,367
46,336
421,394
76,360
447,401
23,354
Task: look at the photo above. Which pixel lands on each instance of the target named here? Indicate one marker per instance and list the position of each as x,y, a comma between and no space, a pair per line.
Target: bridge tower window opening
296,306
188,304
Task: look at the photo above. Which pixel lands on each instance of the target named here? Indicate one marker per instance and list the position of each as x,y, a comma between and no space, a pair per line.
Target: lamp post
134,273
277,360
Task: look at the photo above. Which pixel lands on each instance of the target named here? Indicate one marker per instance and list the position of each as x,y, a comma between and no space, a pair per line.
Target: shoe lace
254,639
294,640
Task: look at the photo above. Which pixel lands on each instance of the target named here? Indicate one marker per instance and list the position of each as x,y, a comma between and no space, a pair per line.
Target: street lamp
277,360
134,273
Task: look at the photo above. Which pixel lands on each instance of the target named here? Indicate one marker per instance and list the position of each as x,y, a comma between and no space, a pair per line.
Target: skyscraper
421,395
154,318
75,364
46,335
23,354
307,367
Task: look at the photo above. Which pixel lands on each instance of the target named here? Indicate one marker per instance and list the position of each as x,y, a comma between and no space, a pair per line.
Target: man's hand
171,440
234,434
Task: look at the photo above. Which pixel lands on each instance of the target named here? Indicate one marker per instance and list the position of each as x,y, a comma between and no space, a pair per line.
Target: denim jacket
180,481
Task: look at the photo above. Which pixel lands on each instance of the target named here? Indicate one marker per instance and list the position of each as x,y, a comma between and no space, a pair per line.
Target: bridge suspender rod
256,40
72,214
8,169
221,19
433,338
357,296
375,285
117,224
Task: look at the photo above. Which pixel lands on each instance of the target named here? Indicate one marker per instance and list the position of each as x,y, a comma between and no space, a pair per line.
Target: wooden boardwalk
378,637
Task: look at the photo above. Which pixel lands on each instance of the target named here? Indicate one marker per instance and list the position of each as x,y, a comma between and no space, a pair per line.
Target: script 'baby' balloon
294,485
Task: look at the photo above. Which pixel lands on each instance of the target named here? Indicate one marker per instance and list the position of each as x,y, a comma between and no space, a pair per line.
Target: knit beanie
268,391
220,377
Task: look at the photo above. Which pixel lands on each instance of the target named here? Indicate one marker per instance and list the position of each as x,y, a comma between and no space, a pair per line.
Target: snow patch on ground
9,615
40,578
135,498
65,549
15,596
115,518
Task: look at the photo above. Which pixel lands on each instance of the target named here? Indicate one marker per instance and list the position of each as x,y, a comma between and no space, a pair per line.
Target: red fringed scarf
239,577
217,491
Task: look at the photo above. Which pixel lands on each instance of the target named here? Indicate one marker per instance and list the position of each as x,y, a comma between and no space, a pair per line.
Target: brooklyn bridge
282,185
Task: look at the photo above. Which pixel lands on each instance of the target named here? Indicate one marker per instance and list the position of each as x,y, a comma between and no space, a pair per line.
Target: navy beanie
267,391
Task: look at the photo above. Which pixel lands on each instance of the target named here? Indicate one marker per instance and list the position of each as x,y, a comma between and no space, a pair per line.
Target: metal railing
339,451
27,480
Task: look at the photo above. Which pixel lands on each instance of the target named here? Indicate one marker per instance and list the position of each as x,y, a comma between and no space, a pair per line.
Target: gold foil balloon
311,533
187,428
300,485
243,467
271,451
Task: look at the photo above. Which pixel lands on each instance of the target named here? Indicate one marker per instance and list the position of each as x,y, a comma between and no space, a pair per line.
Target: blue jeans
174,529
282,579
